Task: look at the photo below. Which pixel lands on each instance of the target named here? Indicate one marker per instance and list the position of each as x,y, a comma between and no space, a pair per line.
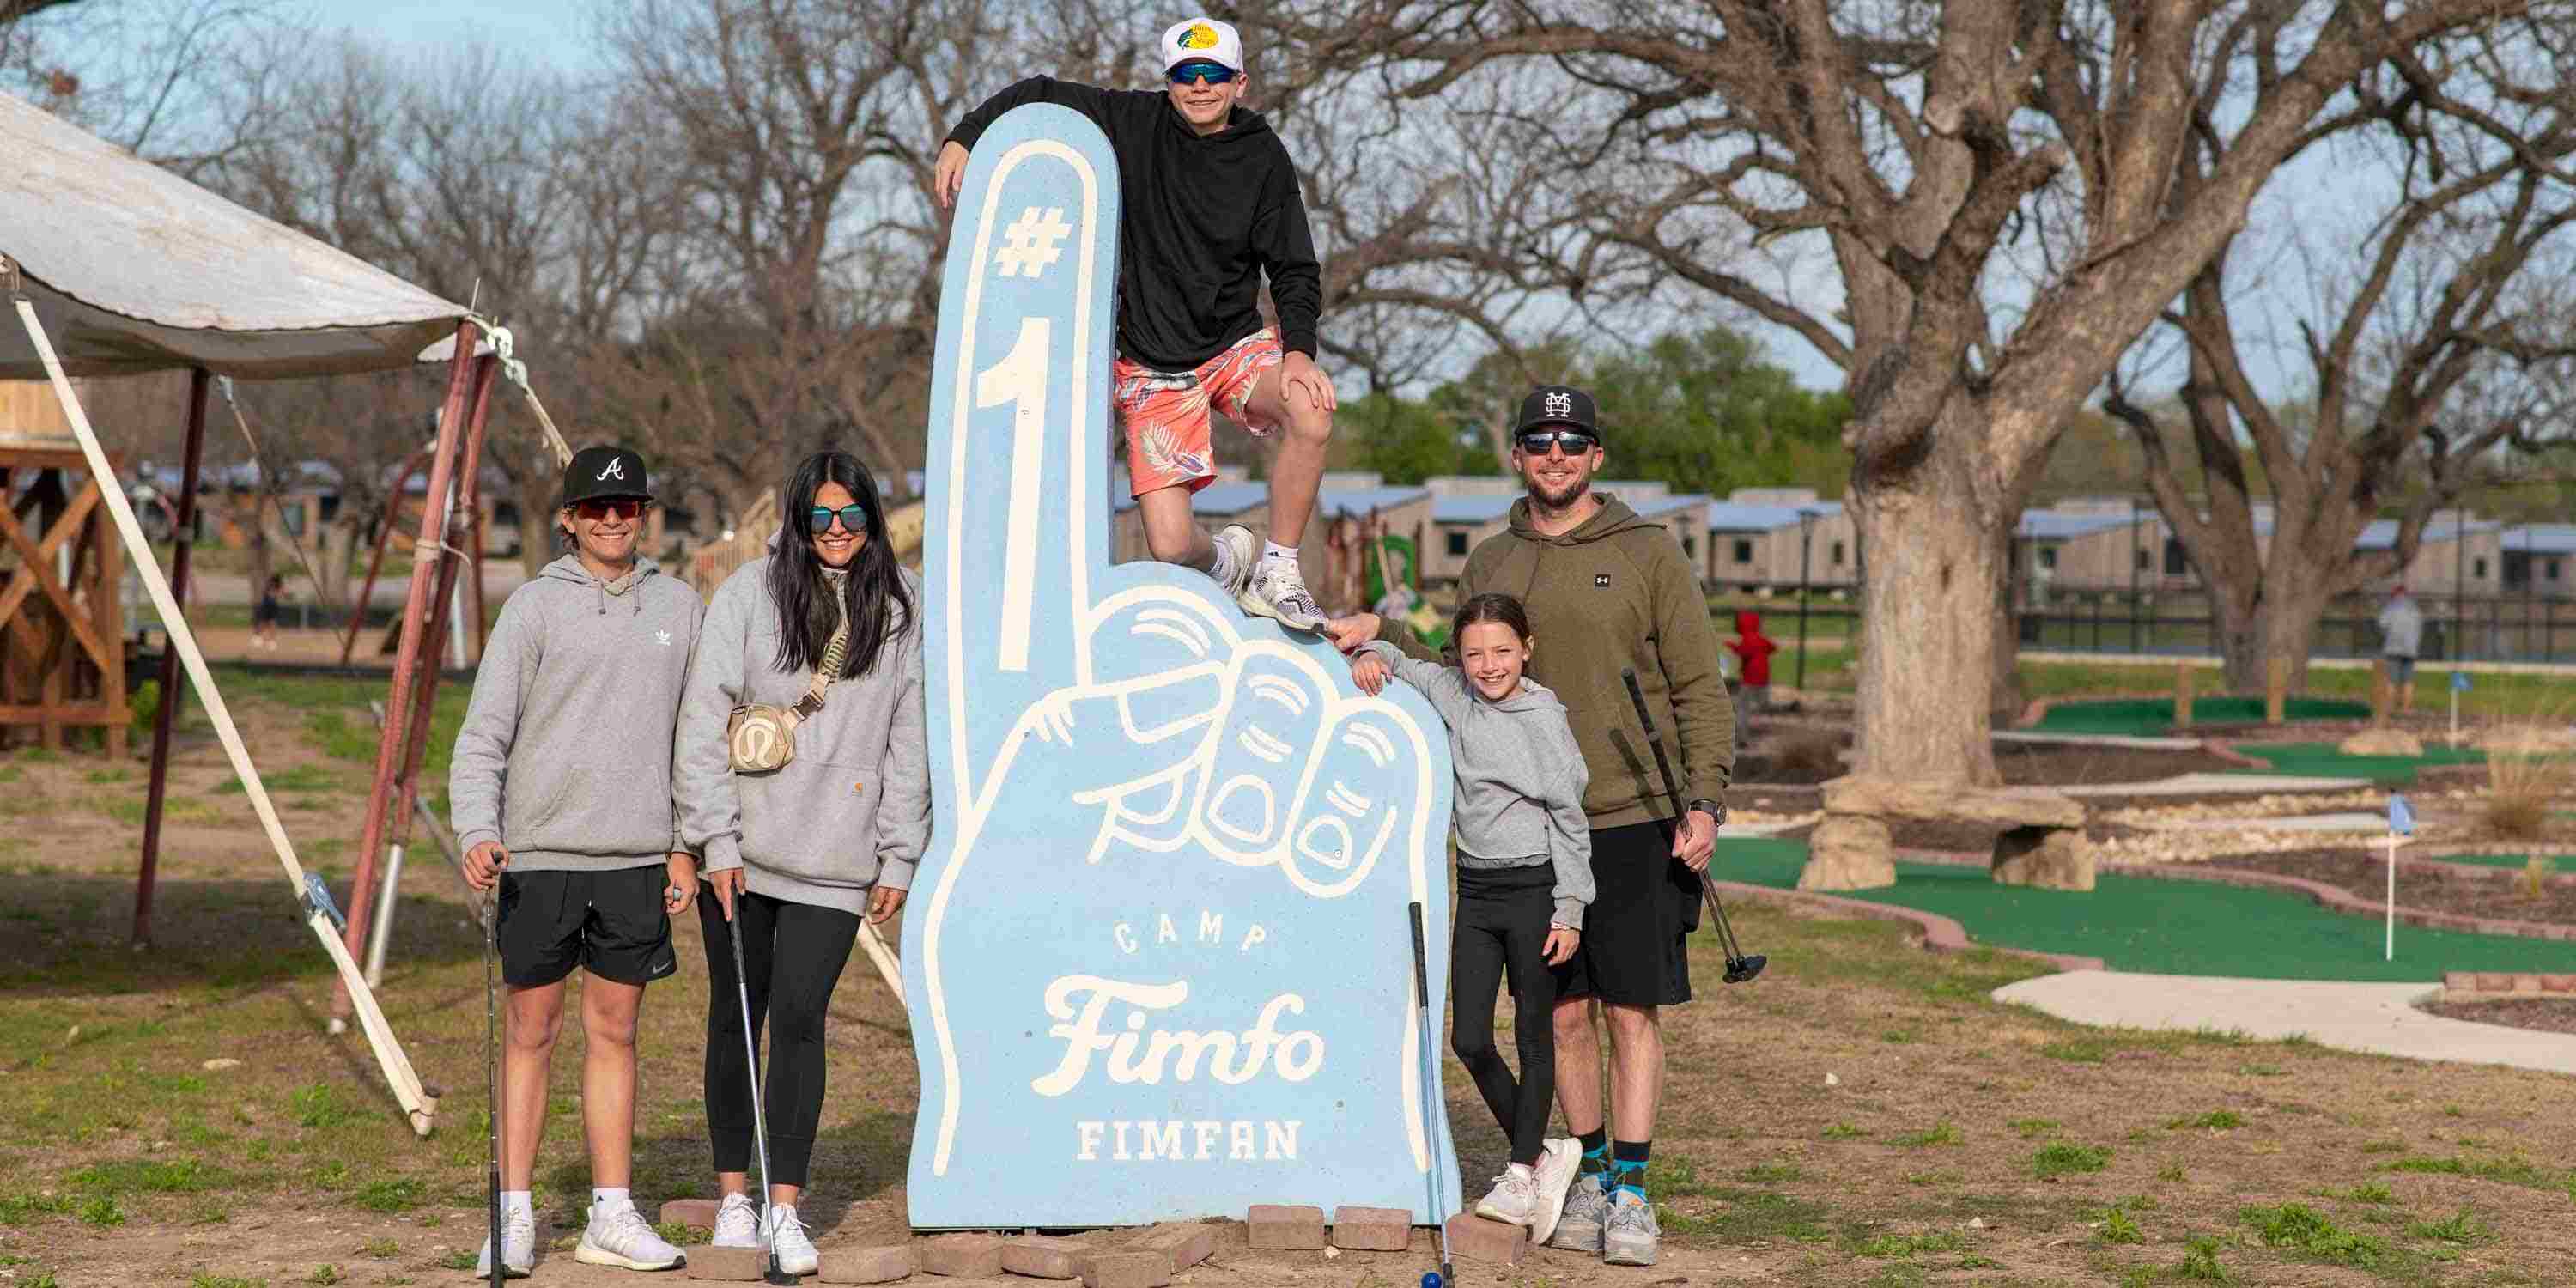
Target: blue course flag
2459,681
2401,820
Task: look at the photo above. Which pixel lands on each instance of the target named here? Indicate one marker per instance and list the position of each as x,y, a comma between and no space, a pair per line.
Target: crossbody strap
825,671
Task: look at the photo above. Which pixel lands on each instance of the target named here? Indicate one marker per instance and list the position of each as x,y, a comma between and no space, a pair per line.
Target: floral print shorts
1166,413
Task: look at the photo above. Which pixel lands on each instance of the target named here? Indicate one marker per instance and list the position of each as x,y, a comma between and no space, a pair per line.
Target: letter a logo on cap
616,470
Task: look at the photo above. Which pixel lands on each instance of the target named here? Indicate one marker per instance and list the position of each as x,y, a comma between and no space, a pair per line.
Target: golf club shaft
1673,793
1430,1084
492,1067
751,1060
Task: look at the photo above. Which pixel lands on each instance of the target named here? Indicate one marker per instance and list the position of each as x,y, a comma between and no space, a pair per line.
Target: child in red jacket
1755,649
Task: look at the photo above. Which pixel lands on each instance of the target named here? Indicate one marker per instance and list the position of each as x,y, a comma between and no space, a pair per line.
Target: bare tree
2443,341
1911,141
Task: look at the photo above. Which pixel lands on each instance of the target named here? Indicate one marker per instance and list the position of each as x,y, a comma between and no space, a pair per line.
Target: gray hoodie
565,755
852,810
1519,801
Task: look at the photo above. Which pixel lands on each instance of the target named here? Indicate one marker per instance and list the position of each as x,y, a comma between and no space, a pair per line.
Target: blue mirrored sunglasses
1212,73
1575,442
854,518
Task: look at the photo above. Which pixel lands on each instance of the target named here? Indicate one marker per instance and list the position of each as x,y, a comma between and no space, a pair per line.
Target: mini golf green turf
2151,717
2552,862
2164,926
2321,760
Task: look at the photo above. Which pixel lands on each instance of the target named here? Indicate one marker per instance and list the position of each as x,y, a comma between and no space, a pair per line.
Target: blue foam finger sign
2460,681
2401,820
1157,958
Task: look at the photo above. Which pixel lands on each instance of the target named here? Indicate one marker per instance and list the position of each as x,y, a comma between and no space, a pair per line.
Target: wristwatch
1714,809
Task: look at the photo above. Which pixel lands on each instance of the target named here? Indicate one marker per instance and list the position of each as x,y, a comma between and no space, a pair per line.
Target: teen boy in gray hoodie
560,789
1524,877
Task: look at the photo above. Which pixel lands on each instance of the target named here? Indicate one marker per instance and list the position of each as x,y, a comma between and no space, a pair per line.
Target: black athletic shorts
1644,906
611,923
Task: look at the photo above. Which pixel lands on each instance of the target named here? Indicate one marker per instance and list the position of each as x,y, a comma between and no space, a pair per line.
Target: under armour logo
616,470
1601,581
1560,404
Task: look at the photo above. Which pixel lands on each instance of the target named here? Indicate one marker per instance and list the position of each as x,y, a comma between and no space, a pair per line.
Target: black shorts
1634,950
611,923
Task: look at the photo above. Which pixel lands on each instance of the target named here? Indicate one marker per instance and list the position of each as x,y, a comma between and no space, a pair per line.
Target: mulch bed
2546,1014
2492,894
2047,765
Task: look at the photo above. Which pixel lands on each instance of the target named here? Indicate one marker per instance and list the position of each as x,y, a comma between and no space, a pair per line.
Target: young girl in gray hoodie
1524,877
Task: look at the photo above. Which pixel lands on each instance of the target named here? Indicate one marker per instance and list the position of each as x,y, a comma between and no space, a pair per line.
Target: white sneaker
1237,551
1514,1198
618,1236
1278,591
796,1253
1558,1161
737,1223
518,1245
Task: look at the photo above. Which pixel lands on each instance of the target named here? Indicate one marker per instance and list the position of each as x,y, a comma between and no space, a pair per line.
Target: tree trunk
1928,641
536,491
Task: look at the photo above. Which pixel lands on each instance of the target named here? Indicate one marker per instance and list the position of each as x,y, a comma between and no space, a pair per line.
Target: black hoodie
1204,217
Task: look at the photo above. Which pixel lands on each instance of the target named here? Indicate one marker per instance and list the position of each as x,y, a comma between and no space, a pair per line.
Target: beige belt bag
762,737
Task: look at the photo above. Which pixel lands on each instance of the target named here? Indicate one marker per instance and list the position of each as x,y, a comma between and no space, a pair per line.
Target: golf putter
492,1068
759,1121
1430,1106
1739,967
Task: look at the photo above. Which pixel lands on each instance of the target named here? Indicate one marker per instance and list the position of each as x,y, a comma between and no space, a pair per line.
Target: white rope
503,344
417,1104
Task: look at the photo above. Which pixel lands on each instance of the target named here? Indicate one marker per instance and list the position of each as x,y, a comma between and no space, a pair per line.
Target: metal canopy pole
407,655
376,561
173,686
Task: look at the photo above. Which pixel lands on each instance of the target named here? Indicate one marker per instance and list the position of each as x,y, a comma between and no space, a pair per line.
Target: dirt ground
2550,1015
1863,1114
2440,887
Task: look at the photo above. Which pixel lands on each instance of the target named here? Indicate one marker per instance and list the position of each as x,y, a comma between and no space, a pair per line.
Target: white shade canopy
134,269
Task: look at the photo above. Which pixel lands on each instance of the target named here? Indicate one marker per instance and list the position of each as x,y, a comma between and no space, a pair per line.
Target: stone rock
1849,852
1372,1229
221,1063
736,1264
2381,742
882,1264
1126,1270
1289,1227
698,1212
1903,798
962,1256
1187,1243
1477,1239
2052,858
1044,1257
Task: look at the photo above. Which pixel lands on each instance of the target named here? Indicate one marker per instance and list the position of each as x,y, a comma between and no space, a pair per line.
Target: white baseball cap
1203,40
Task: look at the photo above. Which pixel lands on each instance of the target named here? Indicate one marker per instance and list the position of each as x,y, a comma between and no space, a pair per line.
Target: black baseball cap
604,472
1559,405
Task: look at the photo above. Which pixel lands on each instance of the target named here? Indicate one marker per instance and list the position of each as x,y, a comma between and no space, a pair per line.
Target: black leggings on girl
1500,935
792,954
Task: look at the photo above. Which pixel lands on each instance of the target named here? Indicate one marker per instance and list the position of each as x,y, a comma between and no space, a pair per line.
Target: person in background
2401,637
1754,649
263,619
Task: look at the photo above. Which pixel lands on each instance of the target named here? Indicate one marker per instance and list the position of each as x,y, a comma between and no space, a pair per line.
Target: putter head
778,1273
1740,969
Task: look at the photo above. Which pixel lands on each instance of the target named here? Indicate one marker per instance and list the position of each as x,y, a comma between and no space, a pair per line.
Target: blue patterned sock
1628,1167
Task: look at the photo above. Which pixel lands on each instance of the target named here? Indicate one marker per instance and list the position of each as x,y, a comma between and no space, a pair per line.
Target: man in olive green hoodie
1605,590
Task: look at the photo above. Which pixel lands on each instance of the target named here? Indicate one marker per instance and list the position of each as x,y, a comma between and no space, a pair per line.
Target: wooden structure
62,645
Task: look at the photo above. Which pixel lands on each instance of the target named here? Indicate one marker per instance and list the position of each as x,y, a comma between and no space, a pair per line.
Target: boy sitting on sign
1211,204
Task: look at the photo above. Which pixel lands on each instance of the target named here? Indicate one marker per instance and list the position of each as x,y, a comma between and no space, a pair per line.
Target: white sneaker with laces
796,1253
737,1223
1237,551
1278,591
1514,1198
618,1236
1558,1161
518,1245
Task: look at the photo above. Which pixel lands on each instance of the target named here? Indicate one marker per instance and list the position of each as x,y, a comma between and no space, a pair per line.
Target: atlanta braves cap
597,472
1559,405
1203,40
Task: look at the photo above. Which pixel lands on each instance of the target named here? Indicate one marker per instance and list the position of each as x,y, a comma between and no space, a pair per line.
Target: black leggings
1501,934
792,954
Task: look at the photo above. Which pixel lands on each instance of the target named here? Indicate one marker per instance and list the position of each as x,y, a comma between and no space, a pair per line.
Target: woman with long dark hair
795,854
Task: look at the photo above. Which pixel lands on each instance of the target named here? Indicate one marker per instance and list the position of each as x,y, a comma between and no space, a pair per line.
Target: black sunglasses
1575,442
854,518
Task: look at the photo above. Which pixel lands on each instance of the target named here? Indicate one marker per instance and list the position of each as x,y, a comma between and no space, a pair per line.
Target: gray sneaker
518,1245
1278,591
1237,553
1630,1235
1587,1208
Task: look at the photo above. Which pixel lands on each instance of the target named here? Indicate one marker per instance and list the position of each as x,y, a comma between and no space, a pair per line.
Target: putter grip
1421,964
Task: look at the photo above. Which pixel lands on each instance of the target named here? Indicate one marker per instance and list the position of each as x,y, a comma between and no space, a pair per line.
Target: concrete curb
2481,985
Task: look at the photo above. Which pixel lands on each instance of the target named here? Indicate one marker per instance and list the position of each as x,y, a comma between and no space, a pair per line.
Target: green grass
147,1176
2078,1051
2303,1229
1907,1245
2512,1170
299,778
321,1105
1844,1131
1737,1214
101,1211
2119,1227
2368,1192
1943,1132
2463,1228
2199,1261
2062,1159
391,1195
1769,1173
2214,1120
2162,926
2033,1128
682,1234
